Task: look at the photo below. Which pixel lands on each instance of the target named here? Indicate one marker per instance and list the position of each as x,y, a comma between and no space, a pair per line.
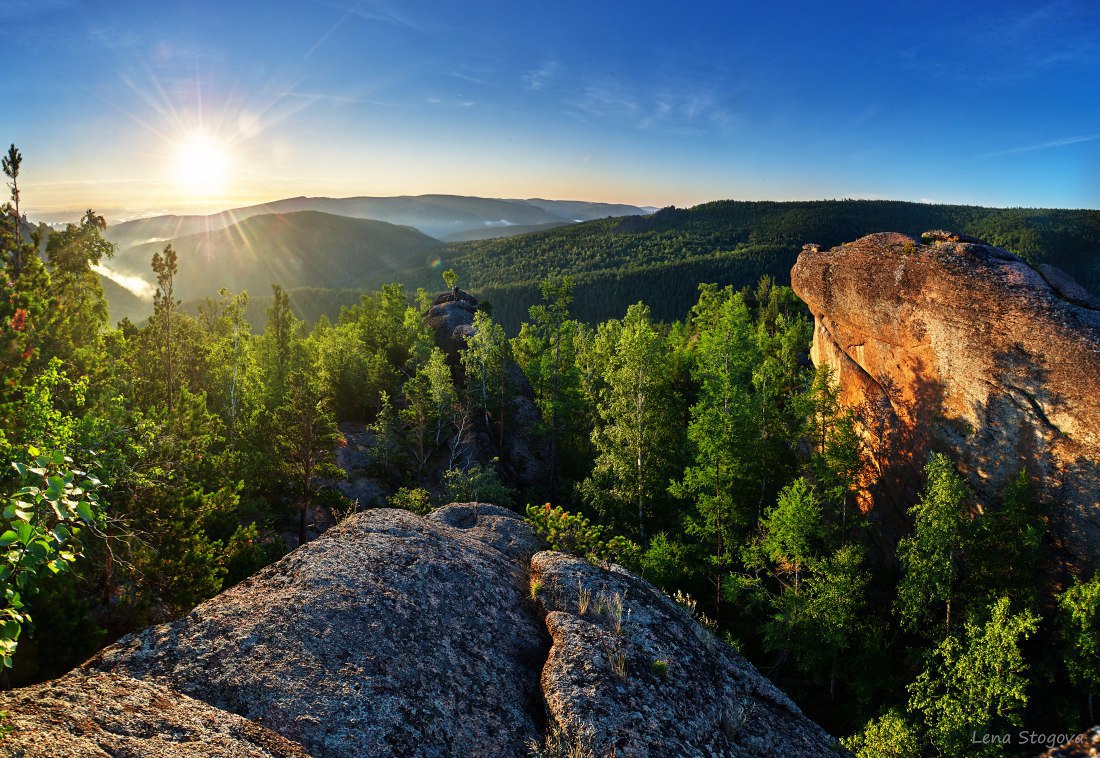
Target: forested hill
303,249
328,261
660,258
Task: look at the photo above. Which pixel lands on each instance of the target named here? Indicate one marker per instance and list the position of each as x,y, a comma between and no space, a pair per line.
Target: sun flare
202,166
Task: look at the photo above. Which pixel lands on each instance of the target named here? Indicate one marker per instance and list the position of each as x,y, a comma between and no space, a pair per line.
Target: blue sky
967,102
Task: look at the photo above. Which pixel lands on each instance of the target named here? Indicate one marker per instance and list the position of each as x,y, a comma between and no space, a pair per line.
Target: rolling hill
659,258
302,249
434,215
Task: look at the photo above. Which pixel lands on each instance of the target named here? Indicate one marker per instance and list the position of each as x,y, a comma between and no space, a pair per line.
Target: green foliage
42,524
417,500
930,556
477,484
889,736
637,426
1079,617
573,533
307,438
791,533
664,561
975,684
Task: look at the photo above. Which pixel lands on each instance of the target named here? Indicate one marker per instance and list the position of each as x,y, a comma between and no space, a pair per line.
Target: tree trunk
302,522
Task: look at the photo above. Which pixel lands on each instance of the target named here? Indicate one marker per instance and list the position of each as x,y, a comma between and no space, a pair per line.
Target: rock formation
521,457
451,317
631,673
393,634
93,714
958,346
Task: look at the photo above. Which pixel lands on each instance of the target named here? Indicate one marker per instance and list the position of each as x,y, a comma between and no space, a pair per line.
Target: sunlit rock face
950,344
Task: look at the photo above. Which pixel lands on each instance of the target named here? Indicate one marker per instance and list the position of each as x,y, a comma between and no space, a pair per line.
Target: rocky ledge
959,346
399,635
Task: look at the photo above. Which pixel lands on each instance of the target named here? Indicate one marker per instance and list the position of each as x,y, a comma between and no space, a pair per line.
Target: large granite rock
393,634
451,317
95,714
962,347
630,673
389,635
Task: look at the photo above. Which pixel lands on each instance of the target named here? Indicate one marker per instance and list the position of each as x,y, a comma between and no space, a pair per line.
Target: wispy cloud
1048,145
451,103
684,109
372,10
538,78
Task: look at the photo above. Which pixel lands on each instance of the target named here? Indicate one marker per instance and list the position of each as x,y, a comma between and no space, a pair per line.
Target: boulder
631,673
394,634
92,714
389,635
962,347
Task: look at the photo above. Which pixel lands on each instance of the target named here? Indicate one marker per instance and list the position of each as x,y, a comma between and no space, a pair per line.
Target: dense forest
327,261
154,465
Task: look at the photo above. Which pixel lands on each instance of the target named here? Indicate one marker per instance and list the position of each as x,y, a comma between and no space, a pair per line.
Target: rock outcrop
451,317
393,634
962,347
631,673
520,458
93,714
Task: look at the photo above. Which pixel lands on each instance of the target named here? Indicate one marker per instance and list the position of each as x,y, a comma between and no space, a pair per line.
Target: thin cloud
372,11
681,110
537,78
1063,142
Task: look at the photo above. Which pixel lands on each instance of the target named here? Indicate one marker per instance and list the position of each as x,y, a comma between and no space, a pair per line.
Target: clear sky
144,106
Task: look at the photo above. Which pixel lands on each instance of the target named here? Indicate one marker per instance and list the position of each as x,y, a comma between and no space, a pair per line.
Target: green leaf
25,532
7,538
21,468
85,512
33,451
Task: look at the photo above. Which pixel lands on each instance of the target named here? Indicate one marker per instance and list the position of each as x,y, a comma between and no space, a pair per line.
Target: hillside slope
662,257
302,249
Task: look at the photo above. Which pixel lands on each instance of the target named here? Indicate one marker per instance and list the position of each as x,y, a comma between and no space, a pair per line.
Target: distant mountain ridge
434,215
659,258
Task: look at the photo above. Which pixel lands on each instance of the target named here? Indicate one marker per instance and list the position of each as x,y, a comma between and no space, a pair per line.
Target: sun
202,166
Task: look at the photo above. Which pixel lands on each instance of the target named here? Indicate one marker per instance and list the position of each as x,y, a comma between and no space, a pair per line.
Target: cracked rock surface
635,675
961,347
394,634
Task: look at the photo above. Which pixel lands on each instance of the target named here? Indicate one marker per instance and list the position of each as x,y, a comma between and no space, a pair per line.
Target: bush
573,533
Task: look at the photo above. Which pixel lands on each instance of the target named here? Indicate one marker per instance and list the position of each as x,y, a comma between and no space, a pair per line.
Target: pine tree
931,555
638,424
307,438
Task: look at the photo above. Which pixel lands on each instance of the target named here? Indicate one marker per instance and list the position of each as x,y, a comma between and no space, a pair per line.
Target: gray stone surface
389,635
605,687
97,714
394,634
